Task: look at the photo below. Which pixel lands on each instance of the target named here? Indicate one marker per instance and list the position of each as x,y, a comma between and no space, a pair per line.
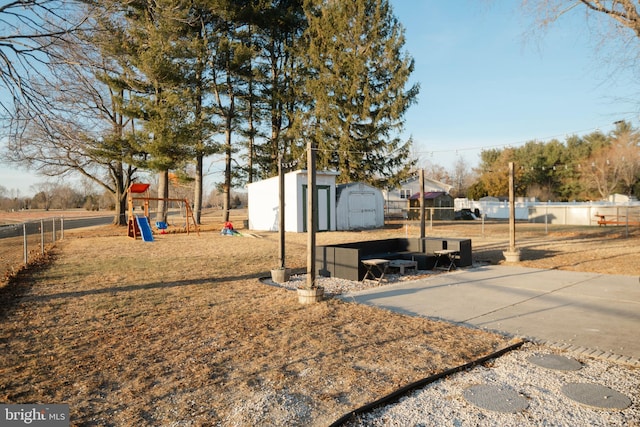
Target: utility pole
281,257
512,210
312,205
422,215
513,254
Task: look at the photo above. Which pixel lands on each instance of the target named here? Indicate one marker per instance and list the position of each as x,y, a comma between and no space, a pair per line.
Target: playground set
139,225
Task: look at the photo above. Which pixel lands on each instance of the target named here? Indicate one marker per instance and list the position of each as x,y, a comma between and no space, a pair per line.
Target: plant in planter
280,274
310,295
310,292
512,255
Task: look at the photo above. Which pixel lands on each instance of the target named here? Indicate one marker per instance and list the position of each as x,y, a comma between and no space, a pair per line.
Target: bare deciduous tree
608,171
615,22
625,151
84,130
624,12
436,171
603,172
30,28
461,176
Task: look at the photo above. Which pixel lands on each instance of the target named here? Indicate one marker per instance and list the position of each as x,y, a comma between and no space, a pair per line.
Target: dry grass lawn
182,332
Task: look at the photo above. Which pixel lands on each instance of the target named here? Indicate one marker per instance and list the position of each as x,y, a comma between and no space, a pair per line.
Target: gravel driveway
443,403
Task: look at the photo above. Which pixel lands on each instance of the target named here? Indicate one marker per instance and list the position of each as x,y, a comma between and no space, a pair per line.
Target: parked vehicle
466,214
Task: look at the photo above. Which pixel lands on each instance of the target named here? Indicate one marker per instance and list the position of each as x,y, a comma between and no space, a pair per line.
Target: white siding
264,205
359,206
264,202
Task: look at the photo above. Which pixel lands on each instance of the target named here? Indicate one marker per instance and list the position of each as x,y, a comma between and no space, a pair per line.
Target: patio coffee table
403,264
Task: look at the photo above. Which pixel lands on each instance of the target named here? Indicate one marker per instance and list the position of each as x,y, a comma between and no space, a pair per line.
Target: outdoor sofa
345,260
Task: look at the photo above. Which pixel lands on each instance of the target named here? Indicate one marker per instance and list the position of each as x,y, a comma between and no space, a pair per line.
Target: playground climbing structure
139,224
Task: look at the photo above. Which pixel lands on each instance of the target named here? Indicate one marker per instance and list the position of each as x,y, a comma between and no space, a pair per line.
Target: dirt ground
181,331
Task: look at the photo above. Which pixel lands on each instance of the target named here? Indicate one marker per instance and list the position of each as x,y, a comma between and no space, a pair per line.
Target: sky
486,82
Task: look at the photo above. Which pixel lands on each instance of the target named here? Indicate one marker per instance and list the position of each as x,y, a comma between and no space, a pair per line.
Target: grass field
181,331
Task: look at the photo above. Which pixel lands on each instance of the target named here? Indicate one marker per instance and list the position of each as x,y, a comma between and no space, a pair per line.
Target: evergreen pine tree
154,43
356,90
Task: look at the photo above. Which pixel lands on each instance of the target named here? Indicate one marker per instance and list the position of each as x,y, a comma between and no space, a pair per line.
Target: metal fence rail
24,243
21,244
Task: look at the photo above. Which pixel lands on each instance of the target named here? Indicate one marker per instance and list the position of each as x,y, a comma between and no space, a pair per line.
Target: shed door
362,210
324,207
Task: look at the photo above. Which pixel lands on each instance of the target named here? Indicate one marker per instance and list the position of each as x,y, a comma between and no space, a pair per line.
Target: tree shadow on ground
495,255
19,284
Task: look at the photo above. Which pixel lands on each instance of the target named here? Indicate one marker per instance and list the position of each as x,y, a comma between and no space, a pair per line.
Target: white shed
264,202
359,206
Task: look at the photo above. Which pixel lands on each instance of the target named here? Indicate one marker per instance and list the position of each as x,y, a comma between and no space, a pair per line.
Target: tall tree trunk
163,194
120,179
226,189
275,150
197,196
250,147
120,198
200,146
276,119
120,216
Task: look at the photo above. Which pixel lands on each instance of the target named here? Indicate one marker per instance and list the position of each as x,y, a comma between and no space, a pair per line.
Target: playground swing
138,225
162,226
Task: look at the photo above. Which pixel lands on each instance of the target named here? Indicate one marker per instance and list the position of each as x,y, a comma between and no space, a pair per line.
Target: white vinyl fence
558,213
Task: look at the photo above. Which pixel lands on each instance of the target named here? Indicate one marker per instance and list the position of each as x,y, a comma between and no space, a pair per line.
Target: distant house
396,200
492,199
436,203
621,198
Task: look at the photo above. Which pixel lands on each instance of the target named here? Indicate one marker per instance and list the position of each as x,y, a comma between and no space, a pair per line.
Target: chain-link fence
24,243
542,218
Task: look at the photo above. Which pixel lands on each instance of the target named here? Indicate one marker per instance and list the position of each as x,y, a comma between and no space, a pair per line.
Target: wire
299,160
511,144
